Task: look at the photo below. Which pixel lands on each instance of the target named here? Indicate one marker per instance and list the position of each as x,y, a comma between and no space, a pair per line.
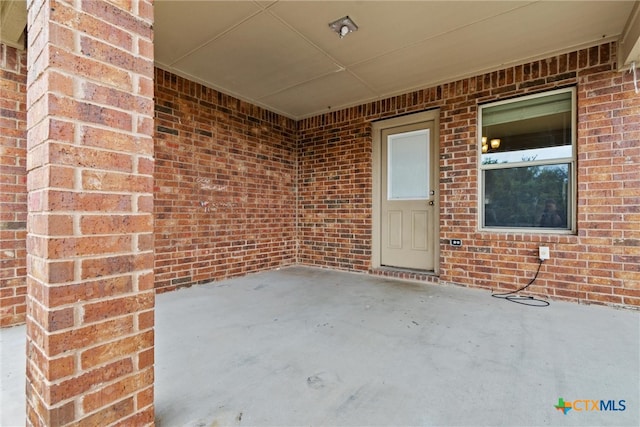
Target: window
408,165
527,163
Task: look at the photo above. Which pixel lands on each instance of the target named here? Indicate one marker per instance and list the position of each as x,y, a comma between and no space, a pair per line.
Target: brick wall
227,174
600,264
13,182
334,201
225,179
90,297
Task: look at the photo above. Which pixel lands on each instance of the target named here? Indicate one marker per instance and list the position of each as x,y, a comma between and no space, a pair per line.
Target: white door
408,192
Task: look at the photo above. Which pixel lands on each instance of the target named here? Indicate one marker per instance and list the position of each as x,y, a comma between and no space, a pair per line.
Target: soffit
13,21
282,55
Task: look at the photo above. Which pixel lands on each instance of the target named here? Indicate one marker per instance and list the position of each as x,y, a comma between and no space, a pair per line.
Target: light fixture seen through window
494,144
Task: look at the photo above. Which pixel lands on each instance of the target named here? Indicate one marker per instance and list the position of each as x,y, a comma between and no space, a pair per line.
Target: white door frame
377,128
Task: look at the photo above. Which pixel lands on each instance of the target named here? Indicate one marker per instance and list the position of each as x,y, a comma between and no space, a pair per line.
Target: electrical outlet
543,252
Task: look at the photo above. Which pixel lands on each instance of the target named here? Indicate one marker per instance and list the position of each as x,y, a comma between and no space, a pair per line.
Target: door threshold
406,274
405,269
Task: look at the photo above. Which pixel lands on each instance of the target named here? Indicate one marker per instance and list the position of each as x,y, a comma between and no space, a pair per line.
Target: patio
306,346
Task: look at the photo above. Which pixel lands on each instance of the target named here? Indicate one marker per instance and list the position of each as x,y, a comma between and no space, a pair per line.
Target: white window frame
570,160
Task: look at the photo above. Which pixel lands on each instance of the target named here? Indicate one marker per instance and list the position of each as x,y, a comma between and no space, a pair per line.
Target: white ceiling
282,54
13,21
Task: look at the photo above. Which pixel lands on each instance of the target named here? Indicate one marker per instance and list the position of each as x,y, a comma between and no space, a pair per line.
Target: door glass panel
408,160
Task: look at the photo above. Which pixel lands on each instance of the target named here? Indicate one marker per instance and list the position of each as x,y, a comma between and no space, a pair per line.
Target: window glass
527,156
528,196
408,175
532,129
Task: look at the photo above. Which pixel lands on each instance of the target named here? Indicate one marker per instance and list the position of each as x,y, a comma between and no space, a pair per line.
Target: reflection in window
529,196
536,128
527,156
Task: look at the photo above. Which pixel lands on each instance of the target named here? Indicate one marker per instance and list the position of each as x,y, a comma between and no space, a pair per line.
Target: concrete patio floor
304,346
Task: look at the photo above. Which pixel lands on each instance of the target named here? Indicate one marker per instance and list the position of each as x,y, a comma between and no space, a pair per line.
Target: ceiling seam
304,82
443,33
219,35
466,75
303,37
343,67
325,53
375,83
223,91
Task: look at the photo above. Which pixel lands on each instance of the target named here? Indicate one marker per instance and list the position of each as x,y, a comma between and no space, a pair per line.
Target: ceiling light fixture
343,26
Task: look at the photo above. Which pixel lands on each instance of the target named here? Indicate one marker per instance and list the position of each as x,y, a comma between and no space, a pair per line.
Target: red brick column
90,300
13,184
